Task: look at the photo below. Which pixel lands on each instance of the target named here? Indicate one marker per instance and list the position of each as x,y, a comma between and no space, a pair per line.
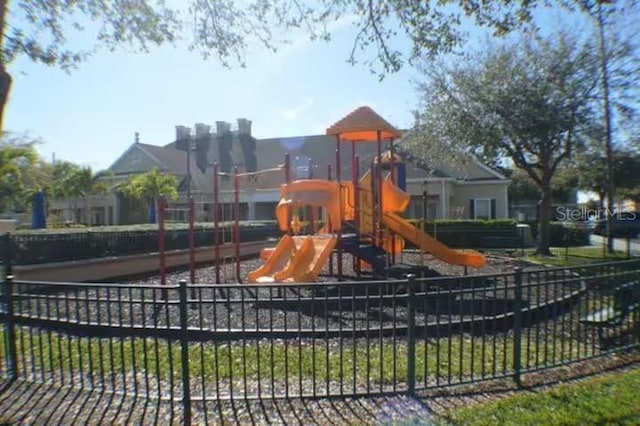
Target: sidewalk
619,244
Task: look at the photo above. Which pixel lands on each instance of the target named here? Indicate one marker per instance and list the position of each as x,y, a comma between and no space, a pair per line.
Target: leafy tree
593,175
628,177
619,61
529,101
15,154
150,186
41,30
35,177
524,189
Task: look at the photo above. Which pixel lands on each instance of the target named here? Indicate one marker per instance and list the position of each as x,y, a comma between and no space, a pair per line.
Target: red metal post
393,236
374,196
356,207
328,220
354,182
341,201
236,215
192,241
161,210
312,210
216,221
354,179
287,179
378,175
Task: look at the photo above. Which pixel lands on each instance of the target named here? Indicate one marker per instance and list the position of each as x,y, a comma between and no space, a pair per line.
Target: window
416,207
482,208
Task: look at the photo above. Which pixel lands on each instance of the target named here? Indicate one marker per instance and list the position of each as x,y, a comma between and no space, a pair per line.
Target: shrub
562,234
42,246
473,233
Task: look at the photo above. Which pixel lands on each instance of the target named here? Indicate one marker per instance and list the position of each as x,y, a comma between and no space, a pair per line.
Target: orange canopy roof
362,125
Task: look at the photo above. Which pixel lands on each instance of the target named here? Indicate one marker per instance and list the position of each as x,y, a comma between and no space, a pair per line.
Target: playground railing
205,343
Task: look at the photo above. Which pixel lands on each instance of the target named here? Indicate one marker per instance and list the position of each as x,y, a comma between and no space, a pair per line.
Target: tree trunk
604,67
5,77
545,220
600,202
5,87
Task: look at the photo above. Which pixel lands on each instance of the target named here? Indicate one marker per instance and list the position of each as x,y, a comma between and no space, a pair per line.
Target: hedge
475,234
43,246
46,246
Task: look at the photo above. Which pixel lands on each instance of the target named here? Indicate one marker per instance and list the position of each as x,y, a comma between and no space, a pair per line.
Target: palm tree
150,186
59,188
82,183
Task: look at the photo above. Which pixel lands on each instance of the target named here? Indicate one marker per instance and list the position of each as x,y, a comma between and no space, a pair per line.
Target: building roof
309,158
363,125
173,160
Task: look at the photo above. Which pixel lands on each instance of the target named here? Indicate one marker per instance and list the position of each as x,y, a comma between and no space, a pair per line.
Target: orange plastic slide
277,260
310,267
295,259
430,245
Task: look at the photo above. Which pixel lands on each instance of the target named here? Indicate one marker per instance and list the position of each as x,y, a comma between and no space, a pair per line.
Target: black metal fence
193,346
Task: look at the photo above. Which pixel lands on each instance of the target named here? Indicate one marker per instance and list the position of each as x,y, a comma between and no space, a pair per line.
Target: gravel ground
320,307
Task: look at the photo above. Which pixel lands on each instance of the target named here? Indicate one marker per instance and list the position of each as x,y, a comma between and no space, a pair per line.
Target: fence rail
194,345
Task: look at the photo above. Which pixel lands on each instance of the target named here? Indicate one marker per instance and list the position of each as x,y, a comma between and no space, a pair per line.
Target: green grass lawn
613,399
458,357
576,256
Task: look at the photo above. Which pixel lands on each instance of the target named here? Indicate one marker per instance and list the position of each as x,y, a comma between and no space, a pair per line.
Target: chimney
224,138
137,137
203,137
244,126
248,145
202,130
183,134
222,127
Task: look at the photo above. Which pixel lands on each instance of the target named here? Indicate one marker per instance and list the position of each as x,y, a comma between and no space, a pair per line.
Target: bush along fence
33,248
192,346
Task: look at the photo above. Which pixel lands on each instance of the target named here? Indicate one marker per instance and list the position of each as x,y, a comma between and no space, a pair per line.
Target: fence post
161,217
517,328
11,359
411,335
184,354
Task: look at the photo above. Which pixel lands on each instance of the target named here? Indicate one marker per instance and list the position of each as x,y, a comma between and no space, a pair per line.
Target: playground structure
361,216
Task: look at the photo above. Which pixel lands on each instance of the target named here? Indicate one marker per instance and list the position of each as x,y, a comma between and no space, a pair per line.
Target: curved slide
295,259
430,245
276,261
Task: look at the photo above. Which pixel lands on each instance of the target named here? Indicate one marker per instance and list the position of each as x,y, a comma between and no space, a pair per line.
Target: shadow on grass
24,403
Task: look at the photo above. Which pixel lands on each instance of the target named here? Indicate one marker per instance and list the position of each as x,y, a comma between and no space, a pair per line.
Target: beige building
477,192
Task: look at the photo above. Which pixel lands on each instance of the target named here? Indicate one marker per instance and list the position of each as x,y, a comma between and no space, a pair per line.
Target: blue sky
90,116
